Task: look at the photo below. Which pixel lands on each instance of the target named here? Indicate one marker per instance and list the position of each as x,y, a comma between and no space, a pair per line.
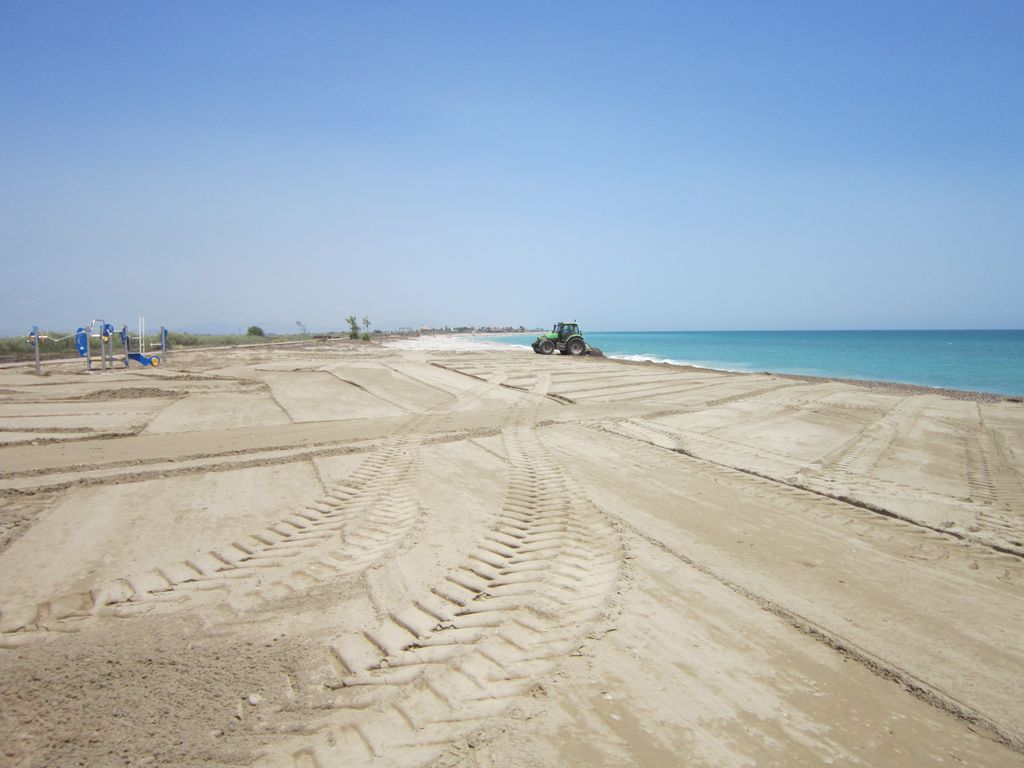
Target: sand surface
431,553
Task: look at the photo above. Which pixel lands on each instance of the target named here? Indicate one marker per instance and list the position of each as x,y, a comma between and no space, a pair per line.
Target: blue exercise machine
97,329
139,357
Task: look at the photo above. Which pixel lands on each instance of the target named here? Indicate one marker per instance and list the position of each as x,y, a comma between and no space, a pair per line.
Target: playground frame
105,332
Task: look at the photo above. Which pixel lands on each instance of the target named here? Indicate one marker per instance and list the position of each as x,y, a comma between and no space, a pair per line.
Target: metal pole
88,349
35,343
163,341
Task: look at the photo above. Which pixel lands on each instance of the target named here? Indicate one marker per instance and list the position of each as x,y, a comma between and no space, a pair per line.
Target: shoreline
467,342
876,384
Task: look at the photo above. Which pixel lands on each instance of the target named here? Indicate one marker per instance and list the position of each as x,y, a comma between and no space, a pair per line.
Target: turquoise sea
982,361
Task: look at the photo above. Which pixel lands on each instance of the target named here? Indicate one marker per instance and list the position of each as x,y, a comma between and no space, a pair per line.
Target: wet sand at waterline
346,554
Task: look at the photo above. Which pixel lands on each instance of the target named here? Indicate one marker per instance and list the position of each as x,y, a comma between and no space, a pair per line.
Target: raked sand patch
95,414
218,410
321,396
98,533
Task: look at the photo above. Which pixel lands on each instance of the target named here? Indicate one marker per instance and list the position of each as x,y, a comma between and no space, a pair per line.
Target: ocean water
981,361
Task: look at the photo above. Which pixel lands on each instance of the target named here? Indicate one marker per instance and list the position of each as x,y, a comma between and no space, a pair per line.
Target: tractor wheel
575,347
546,347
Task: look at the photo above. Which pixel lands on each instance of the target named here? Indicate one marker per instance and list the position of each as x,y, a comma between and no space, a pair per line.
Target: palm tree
353,325
366,323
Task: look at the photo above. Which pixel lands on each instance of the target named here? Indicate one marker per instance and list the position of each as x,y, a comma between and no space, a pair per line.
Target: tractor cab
563,331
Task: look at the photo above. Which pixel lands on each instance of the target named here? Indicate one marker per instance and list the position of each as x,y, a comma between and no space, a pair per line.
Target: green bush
353,327
254,330
365,337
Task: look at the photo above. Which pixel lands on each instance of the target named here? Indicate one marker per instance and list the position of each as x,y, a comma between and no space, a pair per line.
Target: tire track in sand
863,452
995,480
465,651
354,525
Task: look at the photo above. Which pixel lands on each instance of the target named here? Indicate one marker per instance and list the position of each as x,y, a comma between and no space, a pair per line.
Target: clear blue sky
633,165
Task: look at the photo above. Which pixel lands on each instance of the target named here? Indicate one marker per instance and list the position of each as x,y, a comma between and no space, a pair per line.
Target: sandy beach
430,553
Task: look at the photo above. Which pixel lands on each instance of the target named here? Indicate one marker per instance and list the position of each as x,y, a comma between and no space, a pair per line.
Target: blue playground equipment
105,332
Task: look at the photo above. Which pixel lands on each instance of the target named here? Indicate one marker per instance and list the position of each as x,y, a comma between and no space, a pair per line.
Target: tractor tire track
863,452
993,473
995,481
466,650
352,526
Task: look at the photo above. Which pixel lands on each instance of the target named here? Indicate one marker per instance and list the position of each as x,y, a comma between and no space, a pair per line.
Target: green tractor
566,338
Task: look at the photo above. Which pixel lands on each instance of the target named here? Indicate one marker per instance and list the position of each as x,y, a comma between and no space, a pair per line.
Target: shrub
353,327
254,330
